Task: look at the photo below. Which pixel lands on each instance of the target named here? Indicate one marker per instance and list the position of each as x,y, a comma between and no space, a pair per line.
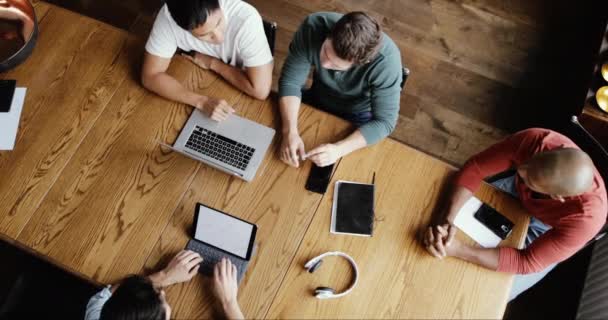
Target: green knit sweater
373,87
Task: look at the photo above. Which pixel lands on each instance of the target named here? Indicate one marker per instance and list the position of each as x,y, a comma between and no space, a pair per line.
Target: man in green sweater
357,76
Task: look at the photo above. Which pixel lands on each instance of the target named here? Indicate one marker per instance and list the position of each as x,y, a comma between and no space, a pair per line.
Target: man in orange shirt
556,183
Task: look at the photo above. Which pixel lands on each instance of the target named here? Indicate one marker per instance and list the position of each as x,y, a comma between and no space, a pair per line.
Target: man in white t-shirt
225,36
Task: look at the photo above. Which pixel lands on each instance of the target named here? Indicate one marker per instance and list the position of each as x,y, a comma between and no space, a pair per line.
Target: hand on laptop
292,149
216,109
182,268
441,241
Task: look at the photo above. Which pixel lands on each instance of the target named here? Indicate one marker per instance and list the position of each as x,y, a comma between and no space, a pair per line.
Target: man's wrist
342,148
195,99
450,218
214,64
461,250
290,129
230,306
159,279
452,212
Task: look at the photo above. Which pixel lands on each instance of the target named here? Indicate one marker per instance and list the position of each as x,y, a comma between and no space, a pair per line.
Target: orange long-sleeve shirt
574,222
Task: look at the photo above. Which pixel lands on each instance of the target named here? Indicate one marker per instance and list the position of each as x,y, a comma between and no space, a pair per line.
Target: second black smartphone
496,222
319,178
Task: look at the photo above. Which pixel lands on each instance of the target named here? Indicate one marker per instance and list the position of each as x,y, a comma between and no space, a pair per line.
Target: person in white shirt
225,36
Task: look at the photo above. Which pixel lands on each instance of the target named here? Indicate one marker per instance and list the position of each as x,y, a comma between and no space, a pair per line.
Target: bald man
556,183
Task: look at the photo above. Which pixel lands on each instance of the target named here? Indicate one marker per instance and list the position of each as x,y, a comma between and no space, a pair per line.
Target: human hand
325,154
202,60
441,241
182,268
216,109
16,12
225,283
292,149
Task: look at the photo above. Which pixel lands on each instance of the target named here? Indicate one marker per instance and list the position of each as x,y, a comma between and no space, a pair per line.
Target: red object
574,222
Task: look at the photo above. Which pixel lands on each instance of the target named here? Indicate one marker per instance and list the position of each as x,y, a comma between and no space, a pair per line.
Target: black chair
593,302
270,29
405,73
579,135
29,288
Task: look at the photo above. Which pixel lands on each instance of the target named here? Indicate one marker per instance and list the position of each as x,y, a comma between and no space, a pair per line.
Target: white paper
9,121
466,222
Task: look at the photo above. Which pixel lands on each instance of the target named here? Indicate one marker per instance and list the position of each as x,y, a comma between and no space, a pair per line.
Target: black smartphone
7,89
319,178
493,220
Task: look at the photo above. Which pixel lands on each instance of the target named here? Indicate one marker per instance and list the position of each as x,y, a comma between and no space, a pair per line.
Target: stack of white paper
466,222
9,121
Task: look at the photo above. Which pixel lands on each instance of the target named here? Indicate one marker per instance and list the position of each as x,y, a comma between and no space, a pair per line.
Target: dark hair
134,299
356,37
189,14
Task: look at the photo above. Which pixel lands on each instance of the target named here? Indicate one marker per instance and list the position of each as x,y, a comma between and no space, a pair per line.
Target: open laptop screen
224,231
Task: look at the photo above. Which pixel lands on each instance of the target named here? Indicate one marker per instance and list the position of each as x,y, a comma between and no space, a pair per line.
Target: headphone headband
311,263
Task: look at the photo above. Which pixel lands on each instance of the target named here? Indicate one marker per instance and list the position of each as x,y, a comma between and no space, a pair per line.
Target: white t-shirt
244,45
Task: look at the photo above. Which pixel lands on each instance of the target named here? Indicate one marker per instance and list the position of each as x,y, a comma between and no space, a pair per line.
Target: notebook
353,209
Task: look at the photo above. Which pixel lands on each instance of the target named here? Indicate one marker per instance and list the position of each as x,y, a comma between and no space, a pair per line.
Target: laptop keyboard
220,148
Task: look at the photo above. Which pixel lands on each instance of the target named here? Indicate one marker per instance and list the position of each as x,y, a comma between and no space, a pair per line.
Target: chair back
579,135
405,73
270,29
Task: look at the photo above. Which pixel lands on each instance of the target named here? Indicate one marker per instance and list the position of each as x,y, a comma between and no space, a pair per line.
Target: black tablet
223,231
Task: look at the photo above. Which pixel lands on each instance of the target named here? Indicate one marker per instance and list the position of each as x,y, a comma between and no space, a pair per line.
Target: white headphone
326,292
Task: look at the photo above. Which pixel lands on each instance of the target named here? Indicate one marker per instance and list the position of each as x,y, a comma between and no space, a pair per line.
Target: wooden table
89,188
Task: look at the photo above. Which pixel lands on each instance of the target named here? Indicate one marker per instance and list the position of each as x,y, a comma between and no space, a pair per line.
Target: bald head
560,172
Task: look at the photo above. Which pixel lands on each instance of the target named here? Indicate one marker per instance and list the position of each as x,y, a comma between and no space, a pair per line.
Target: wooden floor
476,64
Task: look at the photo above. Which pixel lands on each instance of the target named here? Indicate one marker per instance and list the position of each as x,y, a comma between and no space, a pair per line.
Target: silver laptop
236,145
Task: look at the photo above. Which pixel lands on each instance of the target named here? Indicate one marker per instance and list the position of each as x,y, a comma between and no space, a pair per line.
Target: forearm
233,311
159,279
289,107
487,258
239,78
168,87
380,127
353,142
460,195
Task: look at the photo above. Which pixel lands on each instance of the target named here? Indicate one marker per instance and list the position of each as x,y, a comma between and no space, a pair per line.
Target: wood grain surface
398,278
120,189
276,201
71,77
89,188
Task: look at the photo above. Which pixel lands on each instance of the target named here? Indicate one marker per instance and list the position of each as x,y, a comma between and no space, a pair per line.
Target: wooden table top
89,188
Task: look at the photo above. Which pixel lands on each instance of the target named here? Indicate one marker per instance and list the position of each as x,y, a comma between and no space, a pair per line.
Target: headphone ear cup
324,292
315,266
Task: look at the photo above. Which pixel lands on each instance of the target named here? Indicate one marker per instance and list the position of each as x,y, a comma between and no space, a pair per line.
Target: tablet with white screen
224,232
